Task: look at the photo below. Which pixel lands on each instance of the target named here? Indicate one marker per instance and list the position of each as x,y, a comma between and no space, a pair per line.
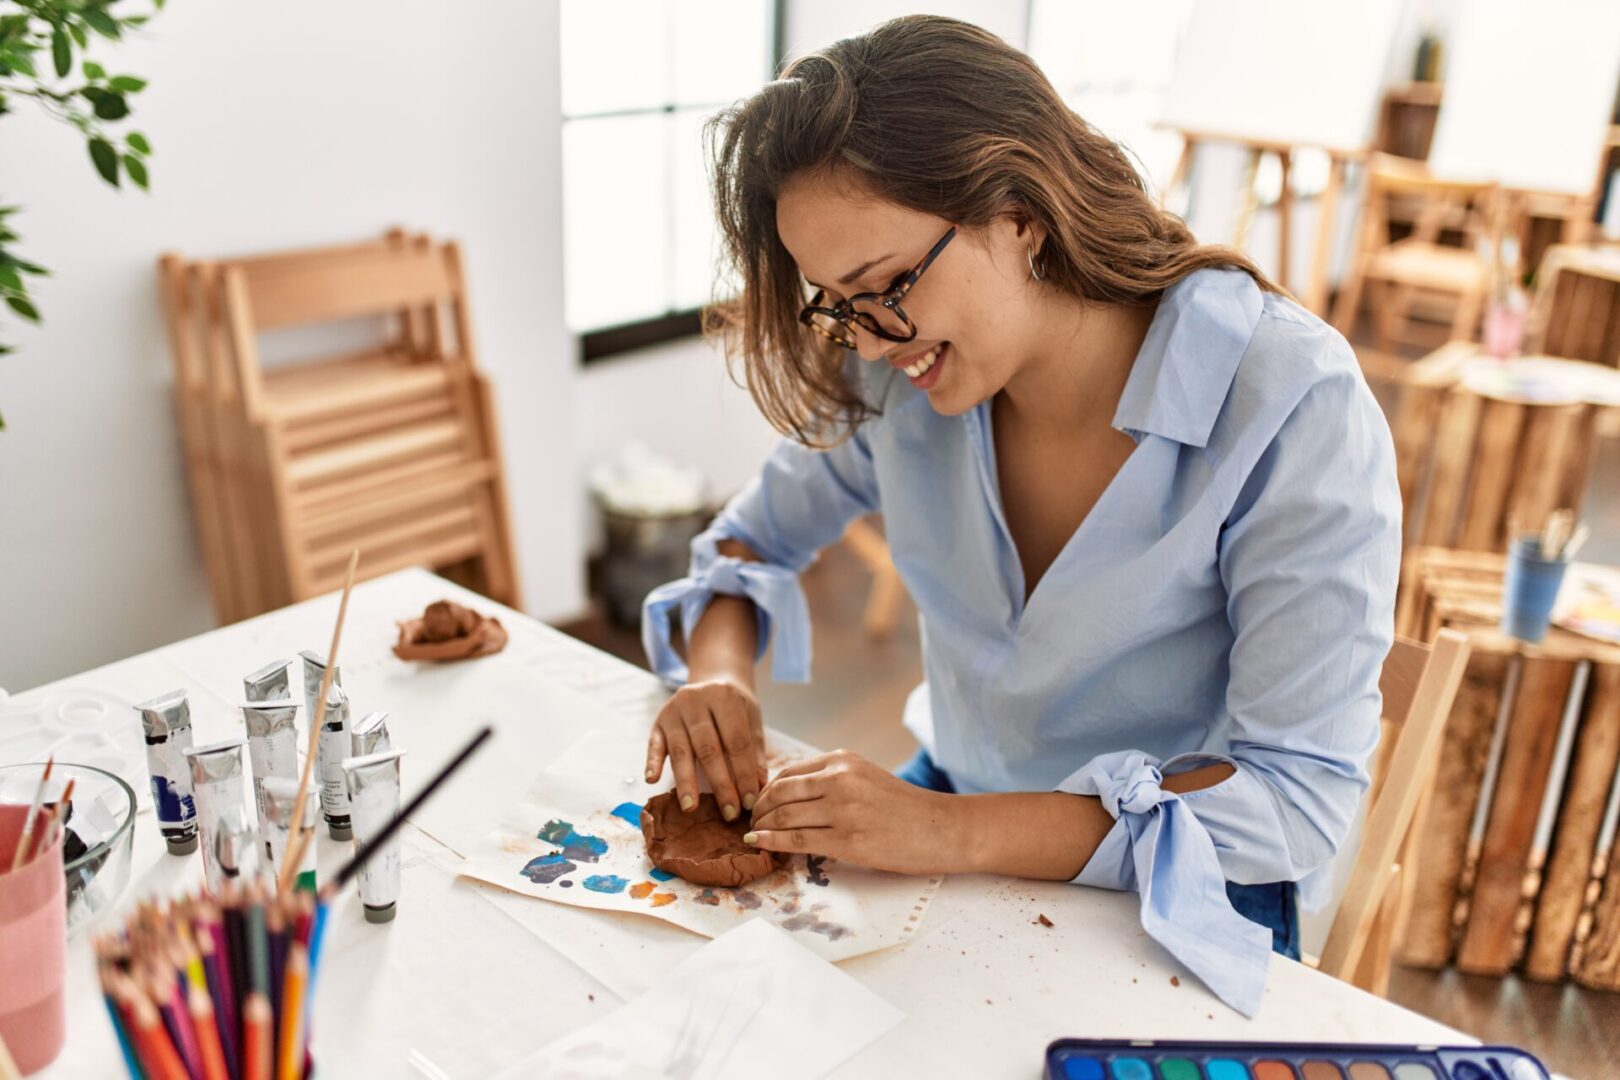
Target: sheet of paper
575,838
751,1003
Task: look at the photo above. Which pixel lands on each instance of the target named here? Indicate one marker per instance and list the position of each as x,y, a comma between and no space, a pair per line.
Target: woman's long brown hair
940,117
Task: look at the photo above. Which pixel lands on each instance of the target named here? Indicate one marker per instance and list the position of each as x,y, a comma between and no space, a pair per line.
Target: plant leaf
137,142
93,70
79,35
101,22
111,106
23,307
10,279
128,84
61,53
106,160
136,169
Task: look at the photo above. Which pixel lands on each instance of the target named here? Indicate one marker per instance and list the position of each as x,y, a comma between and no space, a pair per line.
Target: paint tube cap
184,846
380,914
339,832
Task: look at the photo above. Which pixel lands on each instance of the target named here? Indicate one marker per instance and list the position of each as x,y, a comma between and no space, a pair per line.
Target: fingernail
649,776
748,802
751,838
729,813
687,802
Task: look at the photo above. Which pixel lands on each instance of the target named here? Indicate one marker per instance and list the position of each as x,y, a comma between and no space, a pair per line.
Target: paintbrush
299,837
19,856
1554,532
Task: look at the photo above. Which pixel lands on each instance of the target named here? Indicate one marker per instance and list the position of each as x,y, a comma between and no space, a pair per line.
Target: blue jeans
1274,906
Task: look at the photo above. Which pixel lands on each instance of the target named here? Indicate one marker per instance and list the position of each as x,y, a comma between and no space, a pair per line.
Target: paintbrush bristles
298,836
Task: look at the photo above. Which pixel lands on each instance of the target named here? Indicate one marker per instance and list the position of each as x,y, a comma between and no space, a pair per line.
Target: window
639,78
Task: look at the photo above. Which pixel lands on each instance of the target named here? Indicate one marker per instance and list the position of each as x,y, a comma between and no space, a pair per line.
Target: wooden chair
391,448
883,605
1419,683
1420,267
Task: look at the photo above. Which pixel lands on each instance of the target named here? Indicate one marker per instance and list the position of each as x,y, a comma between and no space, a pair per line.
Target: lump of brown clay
701,846
449,631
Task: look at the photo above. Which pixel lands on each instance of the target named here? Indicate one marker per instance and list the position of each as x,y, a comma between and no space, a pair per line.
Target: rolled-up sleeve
1309,555
801,501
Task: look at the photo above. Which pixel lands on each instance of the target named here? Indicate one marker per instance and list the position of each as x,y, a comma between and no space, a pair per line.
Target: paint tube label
334,747
171,784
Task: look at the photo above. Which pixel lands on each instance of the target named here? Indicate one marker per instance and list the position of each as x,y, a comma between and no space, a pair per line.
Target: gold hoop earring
1029,253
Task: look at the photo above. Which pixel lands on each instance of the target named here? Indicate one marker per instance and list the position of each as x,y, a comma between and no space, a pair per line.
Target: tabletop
469,977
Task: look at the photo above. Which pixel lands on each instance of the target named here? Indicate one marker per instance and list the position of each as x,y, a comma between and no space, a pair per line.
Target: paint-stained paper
751,1003
575,838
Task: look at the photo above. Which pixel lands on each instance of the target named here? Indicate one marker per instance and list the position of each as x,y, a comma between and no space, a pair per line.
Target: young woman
1145,503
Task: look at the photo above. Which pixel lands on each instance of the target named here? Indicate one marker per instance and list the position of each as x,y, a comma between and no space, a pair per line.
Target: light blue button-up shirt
1229,598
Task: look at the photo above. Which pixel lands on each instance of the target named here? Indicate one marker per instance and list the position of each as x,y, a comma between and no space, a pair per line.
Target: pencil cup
1530,589
33,948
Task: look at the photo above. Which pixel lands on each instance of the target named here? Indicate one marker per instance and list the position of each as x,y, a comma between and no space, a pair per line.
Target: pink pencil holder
33,948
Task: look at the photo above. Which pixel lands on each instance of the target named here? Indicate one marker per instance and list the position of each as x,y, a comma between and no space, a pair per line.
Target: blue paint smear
606,883
547,868
630,812
578,846
659,875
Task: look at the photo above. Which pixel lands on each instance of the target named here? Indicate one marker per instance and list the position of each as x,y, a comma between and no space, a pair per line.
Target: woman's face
971,308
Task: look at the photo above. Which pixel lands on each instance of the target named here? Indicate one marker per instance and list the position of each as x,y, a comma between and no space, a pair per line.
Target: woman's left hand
842,805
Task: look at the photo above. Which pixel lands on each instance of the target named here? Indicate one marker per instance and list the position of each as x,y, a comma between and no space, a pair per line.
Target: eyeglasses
867,310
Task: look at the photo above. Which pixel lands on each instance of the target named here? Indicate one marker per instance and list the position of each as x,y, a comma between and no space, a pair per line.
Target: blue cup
1530,589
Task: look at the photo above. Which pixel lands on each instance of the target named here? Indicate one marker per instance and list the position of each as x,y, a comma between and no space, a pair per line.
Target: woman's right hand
714,725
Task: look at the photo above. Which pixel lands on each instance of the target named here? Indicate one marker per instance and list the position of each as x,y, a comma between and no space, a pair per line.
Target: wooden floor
855,702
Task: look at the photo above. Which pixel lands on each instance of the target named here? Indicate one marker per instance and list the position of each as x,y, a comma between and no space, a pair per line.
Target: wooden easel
1316,287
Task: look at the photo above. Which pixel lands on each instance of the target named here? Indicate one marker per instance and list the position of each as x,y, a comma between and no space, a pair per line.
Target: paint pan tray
1087,1059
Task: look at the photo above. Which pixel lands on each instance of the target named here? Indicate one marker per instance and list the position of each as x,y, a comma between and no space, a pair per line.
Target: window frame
606,343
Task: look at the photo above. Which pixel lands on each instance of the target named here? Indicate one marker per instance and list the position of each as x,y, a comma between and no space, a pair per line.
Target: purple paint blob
547,868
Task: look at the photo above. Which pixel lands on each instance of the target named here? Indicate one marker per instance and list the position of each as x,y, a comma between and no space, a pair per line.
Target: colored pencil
122,1031
219,992
298,838
256,1037
202,1020
20,856
157,1051
290,1050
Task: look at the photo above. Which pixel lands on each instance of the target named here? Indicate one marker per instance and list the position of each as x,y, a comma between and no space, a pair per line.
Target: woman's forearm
1047,835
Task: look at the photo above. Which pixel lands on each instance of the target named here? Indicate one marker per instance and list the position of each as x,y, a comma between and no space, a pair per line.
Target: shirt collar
1185,367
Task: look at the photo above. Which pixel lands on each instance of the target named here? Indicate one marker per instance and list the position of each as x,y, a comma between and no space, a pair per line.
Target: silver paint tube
269,683
370,736
280,796
236,846
332,749
314,671
272,739
373,783
216,781
166,723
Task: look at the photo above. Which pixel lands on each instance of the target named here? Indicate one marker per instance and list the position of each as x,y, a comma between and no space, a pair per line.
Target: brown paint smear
701,846
447,631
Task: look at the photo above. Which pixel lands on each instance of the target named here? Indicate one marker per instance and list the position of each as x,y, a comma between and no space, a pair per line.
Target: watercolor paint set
1088,1059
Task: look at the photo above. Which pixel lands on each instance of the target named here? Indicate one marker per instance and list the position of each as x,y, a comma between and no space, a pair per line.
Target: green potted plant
38,43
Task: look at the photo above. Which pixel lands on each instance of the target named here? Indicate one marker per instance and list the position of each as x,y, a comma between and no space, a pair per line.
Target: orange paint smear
660,899
640,890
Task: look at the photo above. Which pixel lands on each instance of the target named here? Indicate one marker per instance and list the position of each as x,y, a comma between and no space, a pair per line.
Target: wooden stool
1513,867
1577,307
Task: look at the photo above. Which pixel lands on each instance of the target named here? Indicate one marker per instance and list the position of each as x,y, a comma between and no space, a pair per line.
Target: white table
458,984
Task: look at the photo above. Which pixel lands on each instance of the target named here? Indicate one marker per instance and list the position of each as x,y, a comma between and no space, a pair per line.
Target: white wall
274,125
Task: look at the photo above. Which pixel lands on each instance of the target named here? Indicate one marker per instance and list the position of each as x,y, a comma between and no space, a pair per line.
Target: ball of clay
701,846
445,619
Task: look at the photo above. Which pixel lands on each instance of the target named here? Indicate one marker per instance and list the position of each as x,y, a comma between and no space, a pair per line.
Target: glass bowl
100,831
